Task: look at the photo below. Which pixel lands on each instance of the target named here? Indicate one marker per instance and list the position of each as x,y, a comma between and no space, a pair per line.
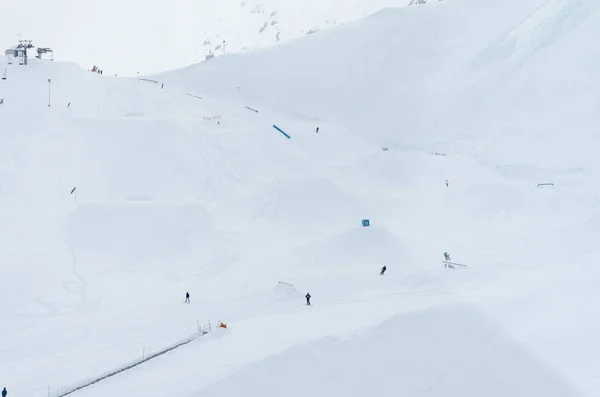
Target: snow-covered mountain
127,36
239,25
465,126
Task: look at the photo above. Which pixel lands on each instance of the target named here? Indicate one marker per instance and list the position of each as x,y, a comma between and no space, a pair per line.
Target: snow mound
309,203
439,352
286,291
352,249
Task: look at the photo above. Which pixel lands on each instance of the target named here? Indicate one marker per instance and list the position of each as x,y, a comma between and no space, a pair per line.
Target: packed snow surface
124,194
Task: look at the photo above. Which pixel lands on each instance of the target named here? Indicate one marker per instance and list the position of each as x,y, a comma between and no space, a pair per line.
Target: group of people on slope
308,296
383,269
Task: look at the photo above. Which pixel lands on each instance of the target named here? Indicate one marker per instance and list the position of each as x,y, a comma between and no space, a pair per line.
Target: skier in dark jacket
187,297
383,269
308,299
4,392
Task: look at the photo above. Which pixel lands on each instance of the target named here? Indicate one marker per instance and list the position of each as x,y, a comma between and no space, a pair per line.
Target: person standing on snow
4,392
187,297
446,256
308,299
383,269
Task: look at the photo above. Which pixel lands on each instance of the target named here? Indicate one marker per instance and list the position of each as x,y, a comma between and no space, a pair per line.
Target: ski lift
4,76
41,51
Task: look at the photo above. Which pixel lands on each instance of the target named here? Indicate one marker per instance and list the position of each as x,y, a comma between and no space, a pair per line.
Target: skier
4,392
187,297
162,86
446,256
308,299
447,184
317,130
383,269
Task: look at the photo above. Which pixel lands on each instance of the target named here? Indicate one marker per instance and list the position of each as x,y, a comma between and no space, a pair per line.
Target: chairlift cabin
11,53
45,51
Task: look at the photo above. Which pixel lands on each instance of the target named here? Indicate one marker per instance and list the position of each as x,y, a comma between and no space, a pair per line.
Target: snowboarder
446,256
308,299
4,392
187,297
383,269
317,130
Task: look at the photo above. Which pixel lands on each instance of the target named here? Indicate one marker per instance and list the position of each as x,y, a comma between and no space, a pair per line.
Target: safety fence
147,356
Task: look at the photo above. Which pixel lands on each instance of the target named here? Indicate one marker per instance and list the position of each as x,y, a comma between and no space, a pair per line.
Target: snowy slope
126,36
442,78
168,201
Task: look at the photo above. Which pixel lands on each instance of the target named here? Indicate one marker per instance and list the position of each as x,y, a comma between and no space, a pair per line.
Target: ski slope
496,98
